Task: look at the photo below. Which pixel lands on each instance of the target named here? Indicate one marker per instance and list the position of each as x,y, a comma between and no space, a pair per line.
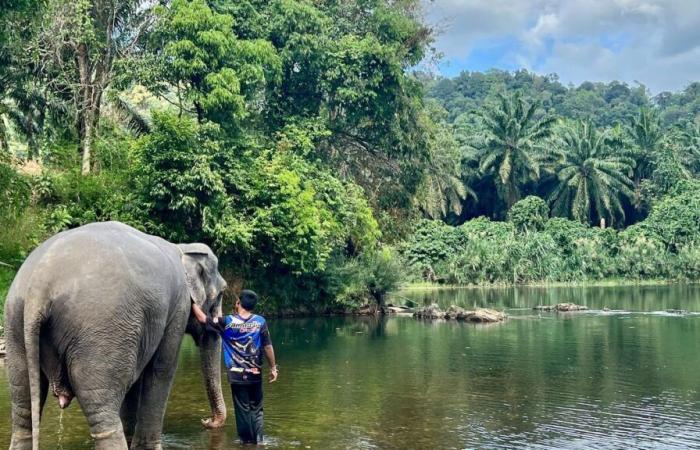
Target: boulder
2,347
429,312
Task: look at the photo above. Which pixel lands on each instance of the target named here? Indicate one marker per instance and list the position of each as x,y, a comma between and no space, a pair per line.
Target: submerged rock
561,307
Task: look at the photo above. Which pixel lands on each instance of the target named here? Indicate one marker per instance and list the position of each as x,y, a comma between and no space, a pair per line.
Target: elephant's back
98,261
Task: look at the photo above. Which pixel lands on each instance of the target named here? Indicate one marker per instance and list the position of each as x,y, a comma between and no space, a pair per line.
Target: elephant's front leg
156,381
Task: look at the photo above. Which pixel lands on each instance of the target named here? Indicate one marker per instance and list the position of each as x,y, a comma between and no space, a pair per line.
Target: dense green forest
299,141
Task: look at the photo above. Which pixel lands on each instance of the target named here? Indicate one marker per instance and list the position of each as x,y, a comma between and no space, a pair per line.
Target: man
245,337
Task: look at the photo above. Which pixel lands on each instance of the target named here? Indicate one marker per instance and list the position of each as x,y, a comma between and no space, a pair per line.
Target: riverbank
394,299
417,286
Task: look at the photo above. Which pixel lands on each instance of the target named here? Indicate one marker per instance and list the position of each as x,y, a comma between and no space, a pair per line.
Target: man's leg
256,411
241,406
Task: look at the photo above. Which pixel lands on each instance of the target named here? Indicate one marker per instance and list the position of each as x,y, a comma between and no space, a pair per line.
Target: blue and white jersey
243,341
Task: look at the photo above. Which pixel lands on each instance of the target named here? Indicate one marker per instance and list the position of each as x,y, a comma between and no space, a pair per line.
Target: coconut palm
509,138
593,175
690,147
443,189
647,134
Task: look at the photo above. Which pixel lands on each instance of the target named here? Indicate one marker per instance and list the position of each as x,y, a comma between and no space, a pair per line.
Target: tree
647,135
690,147
442,190
195,56
78,45
529,214
510,136
593,173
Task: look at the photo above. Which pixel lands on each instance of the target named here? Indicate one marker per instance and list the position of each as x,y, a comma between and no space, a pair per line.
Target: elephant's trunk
210,353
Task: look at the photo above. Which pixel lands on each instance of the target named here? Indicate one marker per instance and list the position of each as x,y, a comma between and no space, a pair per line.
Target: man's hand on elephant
212,423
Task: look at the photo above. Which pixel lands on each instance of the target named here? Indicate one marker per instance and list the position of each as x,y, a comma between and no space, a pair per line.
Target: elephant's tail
32,327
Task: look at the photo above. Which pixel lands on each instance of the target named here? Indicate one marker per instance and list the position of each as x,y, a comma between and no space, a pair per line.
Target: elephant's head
206,285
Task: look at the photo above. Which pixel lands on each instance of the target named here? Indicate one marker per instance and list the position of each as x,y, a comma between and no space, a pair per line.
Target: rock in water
429,312
565,307
397,310
484,315
455,312
479,315
561,307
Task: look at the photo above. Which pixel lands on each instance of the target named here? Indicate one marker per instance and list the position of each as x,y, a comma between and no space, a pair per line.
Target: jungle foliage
297,140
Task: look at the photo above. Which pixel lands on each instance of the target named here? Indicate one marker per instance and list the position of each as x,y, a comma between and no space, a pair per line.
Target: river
625,378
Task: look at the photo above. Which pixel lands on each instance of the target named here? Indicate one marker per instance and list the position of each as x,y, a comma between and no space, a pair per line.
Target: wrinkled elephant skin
98,313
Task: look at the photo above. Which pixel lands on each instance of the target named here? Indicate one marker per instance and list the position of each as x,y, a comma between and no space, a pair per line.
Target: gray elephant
99,312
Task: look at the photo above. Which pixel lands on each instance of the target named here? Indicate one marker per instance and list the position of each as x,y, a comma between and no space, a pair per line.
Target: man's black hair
248,300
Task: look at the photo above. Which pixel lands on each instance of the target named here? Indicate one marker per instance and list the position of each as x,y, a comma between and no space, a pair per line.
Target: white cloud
656,42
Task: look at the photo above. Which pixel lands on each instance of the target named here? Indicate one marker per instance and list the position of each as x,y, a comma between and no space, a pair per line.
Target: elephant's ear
192,257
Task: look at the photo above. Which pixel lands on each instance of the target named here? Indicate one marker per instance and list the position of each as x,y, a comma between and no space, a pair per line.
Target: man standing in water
245,337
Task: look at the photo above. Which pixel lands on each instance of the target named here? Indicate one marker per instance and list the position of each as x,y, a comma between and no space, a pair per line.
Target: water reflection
592,380
629,298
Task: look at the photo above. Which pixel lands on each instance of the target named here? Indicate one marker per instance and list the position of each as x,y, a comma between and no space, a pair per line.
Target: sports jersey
243,341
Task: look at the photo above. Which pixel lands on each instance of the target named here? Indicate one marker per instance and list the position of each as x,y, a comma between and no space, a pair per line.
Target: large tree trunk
32,144
90,95
4,144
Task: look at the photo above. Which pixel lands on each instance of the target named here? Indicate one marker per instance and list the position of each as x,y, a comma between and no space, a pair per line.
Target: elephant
98,313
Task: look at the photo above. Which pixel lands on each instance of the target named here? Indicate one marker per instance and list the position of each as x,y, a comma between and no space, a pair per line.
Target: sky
653,42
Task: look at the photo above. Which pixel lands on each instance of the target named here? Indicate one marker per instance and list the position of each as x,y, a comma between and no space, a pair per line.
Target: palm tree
647,134
443,189
509,138
690,144
593,174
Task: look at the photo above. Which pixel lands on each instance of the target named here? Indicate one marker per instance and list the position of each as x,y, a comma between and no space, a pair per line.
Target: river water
625,378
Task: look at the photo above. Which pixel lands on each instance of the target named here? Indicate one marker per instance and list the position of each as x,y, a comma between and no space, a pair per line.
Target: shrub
529,214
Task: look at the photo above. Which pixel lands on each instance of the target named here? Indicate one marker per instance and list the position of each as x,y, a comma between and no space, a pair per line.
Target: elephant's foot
21,440
214,422
142,445
110,440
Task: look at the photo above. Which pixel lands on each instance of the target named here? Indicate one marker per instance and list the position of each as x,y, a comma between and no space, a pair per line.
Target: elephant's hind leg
19,391
129,410
102,412
156,381
18,377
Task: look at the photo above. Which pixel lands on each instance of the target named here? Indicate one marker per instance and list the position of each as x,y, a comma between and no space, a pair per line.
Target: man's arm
270,355
269,352
213,324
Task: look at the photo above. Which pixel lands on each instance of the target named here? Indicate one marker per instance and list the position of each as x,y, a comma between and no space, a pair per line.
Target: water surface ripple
627,377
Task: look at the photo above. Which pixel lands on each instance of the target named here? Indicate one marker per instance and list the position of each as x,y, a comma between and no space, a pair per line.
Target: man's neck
244,313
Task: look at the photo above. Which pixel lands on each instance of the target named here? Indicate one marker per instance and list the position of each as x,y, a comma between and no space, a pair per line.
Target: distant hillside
605,103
